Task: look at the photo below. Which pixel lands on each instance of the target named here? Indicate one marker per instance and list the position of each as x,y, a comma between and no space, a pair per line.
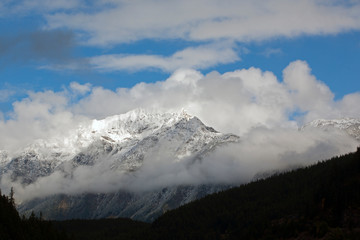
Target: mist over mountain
145,162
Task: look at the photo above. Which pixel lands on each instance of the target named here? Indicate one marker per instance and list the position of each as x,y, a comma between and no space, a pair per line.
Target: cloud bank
263,110
234,102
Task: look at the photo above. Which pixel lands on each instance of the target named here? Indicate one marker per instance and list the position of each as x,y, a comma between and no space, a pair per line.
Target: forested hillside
321,201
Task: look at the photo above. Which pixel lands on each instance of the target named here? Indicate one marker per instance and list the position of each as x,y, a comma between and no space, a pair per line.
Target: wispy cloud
245,20
193,57
271,51
24,7
111,23
5,94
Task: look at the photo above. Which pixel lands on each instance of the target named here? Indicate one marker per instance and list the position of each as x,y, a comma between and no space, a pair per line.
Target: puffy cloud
309,94
39,116
246,20
233,102
246,99
347,106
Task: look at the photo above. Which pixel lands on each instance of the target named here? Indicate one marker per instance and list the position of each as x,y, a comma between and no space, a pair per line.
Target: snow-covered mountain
349,125
119,144
123,145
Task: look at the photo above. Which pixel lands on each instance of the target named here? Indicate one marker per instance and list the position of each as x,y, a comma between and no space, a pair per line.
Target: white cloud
231,102
39,116
245,20
272,51
308,93
193,57
80,89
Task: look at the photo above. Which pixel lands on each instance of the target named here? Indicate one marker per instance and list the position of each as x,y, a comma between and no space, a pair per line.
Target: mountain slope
95,168
318,202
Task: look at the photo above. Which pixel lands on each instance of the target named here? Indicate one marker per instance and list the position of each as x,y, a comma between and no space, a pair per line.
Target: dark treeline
105,229
14,227
316,202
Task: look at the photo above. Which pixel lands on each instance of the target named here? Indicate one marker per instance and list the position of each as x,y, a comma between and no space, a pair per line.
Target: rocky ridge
349,125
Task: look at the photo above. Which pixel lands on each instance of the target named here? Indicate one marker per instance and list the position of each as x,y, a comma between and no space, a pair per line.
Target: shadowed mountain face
115,149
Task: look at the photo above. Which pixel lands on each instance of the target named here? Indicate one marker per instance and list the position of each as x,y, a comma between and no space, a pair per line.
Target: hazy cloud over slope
261,151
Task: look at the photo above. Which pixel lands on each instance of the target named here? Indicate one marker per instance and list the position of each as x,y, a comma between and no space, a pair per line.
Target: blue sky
48,46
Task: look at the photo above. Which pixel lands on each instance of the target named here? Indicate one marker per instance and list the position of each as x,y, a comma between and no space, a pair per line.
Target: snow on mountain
123,145
4,158
349,125
122,141
120,144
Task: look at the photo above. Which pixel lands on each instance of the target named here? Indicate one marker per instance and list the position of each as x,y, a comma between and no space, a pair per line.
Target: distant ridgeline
316,202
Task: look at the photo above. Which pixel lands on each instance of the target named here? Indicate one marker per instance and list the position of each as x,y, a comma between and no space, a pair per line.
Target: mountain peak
136,123
349,125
